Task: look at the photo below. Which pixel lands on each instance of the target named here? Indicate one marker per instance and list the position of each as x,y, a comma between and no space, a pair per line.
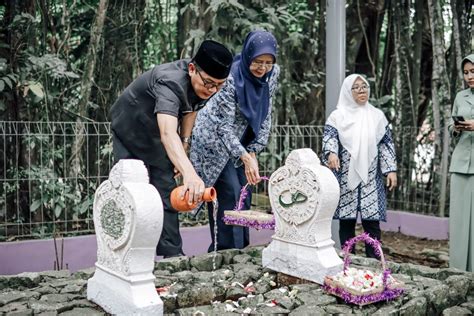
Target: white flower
229,308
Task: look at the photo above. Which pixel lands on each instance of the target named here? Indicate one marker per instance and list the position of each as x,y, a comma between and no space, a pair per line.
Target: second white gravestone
128,219
303,195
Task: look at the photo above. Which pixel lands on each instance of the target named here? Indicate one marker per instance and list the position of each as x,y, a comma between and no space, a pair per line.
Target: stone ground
188,286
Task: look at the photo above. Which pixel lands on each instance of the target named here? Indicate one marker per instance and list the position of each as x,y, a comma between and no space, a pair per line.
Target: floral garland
252,223
386,294
374,243
244,192
362,237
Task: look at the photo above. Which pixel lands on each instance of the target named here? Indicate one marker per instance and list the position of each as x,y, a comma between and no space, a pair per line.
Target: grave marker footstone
128,219
303,195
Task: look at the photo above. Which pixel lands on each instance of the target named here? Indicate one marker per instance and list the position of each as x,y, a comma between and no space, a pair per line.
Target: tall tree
440,95
415,73
124,53
86,84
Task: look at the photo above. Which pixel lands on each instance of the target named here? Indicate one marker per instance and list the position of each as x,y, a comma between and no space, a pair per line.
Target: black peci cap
214,58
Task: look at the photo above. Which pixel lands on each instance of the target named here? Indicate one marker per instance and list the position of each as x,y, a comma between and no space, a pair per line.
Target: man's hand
391,181
333,162
195,186
251,168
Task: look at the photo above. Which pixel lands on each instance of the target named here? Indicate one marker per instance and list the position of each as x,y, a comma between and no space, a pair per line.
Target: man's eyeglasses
261,64
360,88
209,84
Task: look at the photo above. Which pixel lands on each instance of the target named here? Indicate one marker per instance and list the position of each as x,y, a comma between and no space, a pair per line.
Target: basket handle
243,195
374,243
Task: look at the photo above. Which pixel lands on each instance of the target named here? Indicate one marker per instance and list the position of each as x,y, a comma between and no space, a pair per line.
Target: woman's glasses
360,88
261,64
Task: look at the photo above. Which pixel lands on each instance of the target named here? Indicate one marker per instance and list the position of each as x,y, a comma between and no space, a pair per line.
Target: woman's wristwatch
186,139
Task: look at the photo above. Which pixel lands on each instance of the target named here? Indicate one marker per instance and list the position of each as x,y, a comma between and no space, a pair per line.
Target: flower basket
361,286
254,219
247,218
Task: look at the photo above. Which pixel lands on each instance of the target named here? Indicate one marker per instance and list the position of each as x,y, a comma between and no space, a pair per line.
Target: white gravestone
304,195
128,218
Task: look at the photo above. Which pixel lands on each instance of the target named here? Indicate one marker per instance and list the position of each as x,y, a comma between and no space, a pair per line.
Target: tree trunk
466,21
426,68
386,81
120,59
397,95
405,106
182,24
440,96
91,59
457,47
86,85
369,18
416,60
299,62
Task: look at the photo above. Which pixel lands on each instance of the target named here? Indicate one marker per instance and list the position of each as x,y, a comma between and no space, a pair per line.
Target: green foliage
39,83
291,24
43,55
161,18
54,199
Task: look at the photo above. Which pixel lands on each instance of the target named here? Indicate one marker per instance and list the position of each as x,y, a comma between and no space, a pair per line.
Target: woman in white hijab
358,147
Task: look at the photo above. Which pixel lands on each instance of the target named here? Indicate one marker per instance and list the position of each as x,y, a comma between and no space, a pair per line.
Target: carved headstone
128,218
304,195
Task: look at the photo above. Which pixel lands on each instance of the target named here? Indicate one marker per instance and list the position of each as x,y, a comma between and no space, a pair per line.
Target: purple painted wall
80,252
423,226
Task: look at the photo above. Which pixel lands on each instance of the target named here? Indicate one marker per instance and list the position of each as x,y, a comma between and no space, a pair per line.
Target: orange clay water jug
209,195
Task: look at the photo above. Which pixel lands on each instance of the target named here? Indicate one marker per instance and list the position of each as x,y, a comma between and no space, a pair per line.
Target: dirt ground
396,246
407,249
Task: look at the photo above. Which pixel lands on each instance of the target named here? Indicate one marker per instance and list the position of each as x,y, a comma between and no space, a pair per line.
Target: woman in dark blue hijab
251,70
233,128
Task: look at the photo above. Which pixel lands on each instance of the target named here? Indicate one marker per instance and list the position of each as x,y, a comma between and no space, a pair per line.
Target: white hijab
360,129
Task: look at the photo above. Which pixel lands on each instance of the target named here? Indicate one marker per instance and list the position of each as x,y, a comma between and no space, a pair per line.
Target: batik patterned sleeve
387,155
330,142
259,144
227,105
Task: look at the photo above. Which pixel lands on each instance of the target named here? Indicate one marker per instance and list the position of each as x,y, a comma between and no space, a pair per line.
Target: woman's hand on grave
391,181
333,162
251,168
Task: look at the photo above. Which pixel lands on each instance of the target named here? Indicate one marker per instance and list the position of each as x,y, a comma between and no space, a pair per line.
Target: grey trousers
461,222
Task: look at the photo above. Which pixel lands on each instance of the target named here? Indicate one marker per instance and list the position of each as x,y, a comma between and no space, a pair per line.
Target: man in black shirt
152,121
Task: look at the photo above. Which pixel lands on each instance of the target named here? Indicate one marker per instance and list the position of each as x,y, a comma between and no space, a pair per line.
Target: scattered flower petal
248,310
237,283
293,293
229,308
